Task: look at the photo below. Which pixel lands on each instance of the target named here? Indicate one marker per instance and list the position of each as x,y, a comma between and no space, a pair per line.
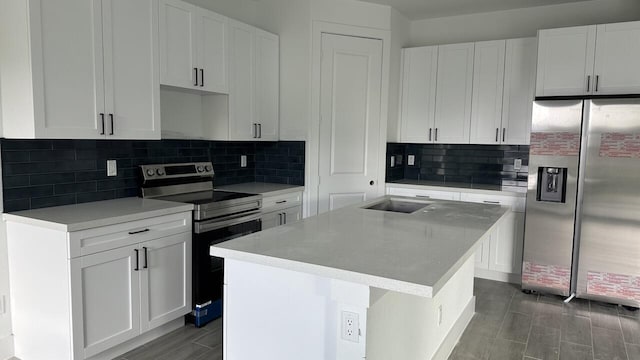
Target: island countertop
412,253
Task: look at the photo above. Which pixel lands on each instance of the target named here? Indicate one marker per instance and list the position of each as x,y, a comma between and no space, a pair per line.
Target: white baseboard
450,342
6,347
498,276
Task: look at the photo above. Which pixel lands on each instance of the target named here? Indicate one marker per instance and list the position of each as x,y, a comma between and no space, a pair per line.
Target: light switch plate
517,164
411,160
112,168
243,161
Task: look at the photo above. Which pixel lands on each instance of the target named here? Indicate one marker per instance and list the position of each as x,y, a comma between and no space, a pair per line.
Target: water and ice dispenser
552,184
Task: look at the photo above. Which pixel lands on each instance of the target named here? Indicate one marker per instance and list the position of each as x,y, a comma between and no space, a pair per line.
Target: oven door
208,271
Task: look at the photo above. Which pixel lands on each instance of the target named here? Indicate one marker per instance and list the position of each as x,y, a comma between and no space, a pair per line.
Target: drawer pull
138,232
423,196
492,202
281,202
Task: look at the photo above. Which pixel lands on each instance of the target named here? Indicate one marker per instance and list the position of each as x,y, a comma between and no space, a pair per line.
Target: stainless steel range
218,216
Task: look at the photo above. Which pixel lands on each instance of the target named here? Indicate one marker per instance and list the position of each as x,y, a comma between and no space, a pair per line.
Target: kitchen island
356,282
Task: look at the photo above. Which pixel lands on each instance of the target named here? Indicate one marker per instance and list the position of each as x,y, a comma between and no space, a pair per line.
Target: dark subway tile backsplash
42,173
468,164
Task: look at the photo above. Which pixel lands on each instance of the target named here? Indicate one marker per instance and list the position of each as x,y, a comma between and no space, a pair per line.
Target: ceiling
424,9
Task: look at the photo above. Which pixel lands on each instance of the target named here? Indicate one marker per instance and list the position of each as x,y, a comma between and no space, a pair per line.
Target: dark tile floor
511,325
508,325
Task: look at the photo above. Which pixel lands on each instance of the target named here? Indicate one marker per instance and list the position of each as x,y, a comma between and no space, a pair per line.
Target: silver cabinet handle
497,130
430,130
201,77
504,134
195,70
588,83
597,82
102,118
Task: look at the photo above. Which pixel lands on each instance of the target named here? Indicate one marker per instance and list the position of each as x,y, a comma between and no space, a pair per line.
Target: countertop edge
457,189
291,189
179,207
328,272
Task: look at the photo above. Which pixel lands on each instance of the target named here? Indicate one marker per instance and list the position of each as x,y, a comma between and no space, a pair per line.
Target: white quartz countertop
266,189
460,187
94,214
413,253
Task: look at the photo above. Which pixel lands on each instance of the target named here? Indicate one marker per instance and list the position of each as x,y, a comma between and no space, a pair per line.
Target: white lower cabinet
281,209
499,255
79,301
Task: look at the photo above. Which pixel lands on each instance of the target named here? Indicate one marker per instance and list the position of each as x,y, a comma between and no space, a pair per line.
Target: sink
400,206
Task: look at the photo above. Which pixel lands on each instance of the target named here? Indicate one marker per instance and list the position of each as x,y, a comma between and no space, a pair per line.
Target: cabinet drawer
431,194
104,238
516,203
282,201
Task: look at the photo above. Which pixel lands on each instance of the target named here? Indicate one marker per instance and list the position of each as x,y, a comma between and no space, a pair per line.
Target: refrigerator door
551,196
609,264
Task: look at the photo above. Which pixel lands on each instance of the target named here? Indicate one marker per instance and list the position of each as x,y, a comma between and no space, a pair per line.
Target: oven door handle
204,226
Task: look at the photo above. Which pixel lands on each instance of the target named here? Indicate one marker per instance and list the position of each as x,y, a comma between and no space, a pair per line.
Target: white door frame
313,139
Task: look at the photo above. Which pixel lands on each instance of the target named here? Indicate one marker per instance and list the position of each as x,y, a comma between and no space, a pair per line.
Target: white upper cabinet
488,81
519,90
254,83
267,92
418,94
565,61
617,62
193,47
76,67
453,95
589,60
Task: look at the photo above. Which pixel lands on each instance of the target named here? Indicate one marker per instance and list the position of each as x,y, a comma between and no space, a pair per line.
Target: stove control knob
207,167
200,168
150,172
160,172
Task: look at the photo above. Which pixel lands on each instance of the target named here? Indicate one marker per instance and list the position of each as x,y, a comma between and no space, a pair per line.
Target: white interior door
350,101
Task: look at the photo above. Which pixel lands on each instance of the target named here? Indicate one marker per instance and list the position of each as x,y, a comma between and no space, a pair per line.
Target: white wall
246,11
400,37
520,22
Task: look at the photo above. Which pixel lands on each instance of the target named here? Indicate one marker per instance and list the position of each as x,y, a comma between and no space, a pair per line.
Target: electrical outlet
439,315
411,160
517,164
112,168
393,161
243,161
350,327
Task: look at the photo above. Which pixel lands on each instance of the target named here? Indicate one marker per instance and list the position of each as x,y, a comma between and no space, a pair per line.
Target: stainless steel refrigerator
582,227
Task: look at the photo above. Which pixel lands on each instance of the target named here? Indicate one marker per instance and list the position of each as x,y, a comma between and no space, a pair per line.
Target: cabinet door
165,280
482,253
617,58
67,68
418,102
177,25
519,90
213,52
506,246
267,85
565,61
453,98
292,214
241,82
271,220
105,299
131,80
488,81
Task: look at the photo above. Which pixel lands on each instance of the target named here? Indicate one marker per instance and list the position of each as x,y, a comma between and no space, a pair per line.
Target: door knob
372,182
